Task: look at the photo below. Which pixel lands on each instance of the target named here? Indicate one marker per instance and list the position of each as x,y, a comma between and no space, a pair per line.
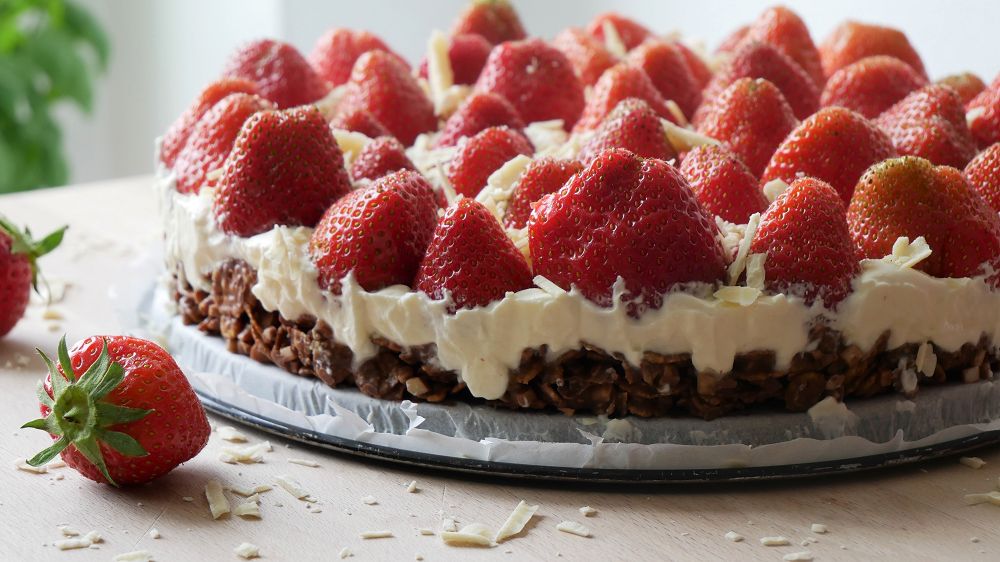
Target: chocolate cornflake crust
586,380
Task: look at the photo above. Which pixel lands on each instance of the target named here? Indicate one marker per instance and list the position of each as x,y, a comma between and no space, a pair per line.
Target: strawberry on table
784,29
359,121
911,197
119,410
984,115
930,123
479,111
213,138
589,57
380,157
537,80
835,145
467,54
983,172
285,169
618,83
496,20
634,126
723,184
871,85
751,118
482,155
809,249
379,233
966,84
632,33
176,136
667,69
541,177
281,73
382,85
852,41
19,254
615,218
338,49
471,259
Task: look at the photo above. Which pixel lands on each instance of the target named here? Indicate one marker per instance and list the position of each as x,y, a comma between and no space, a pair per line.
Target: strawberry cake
610,222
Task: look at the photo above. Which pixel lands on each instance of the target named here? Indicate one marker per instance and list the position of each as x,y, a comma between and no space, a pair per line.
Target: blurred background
162,52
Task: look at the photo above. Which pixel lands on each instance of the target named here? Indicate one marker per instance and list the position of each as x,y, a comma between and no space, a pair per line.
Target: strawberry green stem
22,243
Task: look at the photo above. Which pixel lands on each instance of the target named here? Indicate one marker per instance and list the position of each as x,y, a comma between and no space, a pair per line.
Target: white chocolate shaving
516,521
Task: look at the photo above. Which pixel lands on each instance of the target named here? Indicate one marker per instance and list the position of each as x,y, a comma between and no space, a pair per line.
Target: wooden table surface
906,513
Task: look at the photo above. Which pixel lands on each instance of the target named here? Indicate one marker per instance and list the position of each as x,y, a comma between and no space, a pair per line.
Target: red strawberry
479,111
380,157
808,246
835,145
631,32
482,155
631,125
338,49
870,86
119,410
852,41
536,79
381,85
541,177
495,20
911,197
627,217
176,136
379,233
213,138
984,110
285,168
471,259
784,29
616,85
930,123
732,41
360,121
467,54
967,84
723,184
983,173
281,73
696,64
760,60
667,68
751,118
19,270
588,56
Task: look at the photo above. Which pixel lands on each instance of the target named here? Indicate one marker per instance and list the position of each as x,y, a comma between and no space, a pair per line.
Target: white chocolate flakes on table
246,455
86,541
345,553
217,502
733,536
516,521
304,462
775,541
231,434
574,528
803,556
247,551
369,500
134,556
376,535
587,511
972,462
818,528
473,534
290,485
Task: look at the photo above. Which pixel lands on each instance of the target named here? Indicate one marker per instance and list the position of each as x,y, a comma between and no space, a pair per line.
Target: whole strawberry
723,184
750,118
634,126
467,54
930,123
983,172
617,218
338,49
285,168
482,155
852,41
495,20
359,121
542,177
632,33
213,138
984,115
281,73
380,157
588,56
871,85
667,69
382,85
176,136
911,197
784,29
616,85
809,249
966,84
835,145
760,60
379,233
537,80
119,410
471,259
478,112
19,269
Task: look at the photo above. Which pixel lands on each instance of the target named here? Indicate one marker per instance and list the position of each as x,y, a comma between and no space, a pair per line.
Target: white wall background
165,51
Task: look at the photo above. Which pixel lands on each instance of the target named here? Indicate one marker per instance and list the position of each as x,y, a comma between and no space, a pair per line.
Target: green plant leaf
84,26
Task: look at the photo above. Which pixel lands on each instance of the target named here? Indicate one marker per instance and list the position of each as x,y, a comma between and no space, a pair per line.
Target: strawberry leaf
121,442
49,453
89,448
58,381
112,414
64,361
43,397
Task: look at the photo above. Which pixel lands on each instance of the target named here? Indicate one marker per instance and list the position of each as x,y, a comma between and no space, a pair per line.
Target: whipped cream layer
484,344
